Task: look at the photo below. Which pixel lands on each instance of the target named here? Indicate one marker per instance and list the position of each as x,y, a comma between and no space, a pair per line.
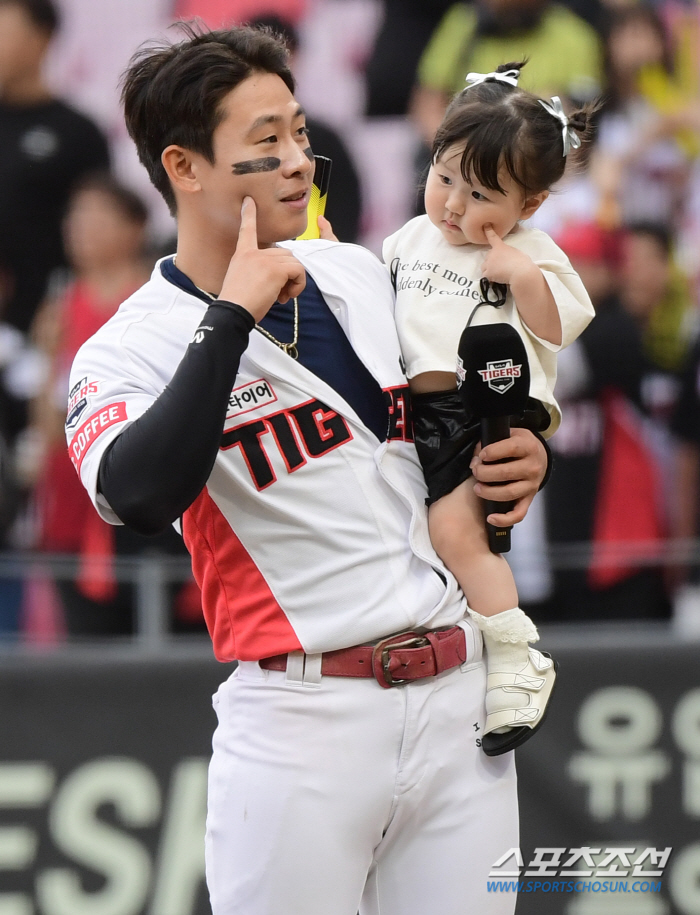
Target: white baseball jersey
437,287
310,533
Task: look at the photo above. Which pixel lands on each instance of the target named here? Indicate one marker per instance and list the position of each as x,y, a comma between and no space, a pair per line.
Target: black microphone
495,384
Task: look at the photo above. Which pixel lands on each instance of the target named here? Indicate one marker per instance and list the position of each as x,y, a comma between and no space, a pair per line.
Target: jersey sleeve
145,456
105,397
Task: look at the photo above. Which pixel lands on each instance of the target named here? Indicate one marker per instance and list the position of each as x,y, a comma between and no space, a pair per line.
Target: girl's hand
503,263
531,293
326,229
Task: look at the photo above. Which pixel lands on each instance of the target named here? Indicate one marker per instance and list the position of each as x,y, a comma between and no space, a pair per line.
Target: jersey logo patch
92,428
78,400
249,397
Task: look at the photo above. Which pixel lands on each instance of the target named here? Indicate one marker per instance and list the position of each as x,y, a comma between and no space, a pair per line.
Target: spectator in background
685,425
46,146
104,238
564,53
391,69
344,206
606,485
646,141
656,294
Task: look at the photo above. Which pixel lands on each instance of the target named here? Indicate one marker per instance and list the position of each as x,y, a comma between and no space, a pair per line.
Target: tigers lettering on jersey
400,414
314,424
92,428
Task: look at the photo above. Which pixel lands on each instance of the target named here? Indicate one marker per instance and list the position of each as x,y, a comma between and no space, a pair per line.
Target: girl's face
461,209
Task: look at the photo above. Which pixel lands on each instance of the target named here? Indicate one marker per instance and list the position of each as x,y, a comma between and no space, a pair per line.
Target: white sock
507,626
506,637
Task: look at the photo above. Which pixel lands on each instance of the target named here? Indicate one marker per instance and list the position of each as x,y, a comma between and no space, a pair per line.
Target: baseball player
253,392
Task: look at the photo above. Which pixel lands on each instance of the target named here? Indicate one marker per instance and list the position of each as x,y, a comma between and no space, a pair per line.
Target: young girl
496,154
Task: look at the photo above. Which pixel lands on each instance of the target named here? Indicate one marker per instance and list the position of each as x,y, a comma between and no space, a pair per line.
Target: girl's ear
532,204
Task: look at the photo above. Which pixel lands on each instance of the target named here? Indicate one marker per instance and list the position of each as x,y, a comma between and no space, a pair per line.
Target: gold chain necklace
289,348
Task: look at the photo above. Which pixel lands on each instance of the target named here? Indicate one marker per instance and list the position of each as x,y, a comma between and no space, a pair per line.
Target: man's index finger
248,232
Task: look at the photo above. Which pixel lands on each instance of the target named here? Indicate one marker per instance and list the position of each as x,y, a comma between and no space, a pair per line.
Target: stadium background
102,795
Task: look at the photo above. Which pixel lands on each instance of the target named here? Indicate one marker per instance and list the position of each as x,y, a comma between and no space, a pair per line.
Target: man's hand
258,277
518,480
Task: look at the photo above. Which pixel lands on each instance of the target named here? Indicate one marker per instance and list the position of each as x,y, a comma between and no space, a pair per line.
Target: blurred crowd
79,231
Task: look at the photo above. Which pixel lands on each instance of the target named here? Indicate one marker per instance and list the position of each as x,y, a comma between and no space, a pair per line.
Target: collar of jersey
174,275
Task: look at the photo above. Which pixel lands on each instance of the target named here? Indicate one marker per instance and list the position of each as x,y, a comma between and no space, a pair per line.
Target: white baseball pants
329,795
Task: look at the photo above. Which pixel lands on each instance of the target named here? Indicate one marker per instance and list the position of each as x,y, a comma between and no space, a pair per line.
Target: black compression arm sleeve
158,466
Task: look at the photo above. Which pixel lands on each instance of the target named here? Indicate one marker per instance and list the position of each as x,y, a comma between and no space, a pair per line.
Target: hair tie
570,138
508,76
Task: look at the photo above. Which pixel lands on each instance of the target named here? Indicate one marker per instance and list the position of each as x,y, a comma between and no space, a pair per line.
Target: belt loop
295,668
474,641
312,670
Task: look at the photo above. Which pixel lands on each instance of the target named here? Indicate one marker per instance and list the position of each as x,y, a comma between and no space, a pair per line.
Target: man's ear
533,203
181,169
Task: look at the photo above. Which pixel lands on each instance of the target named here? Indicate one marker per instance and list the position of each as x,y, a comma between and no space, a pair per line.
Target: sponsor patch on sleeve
91,430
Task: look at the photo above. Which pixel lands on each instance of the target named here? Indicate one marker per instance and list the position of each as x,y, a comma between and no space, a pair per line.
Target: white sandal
535,682
514,669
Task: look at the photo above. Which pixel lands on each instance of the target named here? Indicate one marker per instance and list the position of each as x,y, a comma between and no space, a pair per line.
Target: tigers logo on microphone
500,375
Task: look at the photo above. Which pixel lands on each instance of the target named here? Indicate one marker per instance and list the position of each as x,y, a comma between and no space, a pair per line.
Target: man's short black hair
172,94
278,25
43,13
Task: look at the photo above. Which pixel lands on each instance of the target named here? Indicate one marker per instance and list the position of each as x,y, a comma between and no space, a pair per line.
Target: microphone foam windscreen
492,365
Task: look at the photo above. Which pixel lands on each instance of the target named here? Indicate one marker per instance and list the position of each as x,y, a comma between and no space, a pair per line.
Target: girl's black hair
173,94
503,126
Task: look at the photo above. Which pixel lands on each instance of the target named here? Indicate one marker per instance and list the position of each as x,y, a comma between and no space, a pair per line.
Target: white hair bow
509,76
570,138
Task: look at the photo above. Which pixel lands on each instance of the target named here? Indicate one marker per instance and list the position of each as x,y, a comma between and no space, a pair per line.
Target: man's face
22,44
261,150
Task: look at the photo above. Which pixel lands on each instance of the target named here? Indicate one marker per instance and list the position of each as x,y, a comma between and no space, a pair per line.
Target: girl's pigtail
583,121
513,65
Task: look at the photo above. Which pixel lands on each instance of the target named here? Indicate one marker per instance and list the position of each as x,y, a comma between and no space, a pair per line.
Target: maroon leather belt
394,660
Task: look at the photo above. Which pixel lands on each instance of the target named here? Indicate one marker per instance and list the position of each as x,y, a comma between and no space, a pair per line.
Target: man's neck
203,255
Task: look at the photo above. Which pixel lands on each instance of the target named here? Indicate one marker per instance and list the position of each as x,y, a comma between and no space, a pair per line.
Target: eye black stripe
252,166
